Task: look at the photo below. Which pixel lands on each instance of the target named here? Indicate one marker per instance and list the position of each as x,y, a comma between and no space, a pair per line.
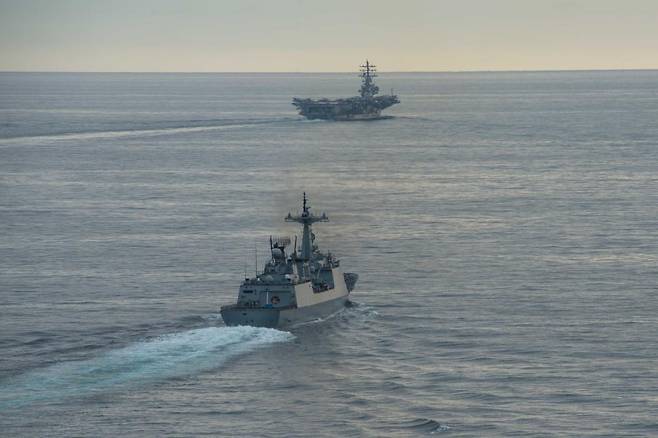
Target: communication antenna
256,253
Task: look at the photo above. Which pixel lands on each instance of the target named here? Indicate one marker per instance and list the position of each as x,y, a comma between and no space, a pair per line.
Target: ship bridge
368,88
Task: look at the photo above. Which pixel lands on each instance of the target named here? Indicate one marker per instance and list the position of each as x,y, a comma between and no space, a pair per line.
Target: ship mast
368,88
306,219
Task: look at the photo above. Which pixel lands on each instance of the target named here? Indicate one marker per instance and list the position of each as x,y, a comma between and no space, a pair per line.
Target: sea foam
166,356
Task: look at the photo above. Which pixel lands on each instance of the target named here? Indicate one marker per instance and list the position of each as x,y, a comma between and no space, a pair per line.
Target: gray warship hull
280,317
345,110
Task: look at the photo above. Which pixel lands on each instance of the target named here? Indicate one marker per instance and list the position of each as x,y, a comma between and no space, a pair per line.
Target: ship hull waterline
281,317
351,118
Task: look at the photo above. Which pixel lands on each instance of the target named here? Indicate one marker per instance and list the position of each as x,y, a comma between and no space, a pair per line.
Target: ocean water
504,227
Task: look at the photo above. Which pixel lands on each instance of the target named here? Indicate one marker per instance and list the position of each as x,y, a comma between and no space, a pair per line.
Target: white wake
101,135
163,357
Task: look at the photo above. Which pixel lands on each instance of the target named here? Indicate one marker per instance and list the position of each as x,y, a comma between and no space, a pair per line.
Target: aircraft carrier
366,106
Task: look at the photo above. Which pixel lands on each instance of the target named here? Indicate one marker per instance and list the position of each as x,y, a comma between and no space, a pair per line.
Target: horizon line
331,72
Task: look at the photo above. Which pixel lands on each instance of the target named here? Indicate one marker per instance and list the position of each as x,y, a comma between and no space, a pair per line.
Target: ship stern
255,317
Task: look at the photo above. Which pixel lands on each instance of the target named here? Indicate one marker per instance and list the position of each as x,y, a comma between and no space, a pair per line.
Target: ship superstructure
366,106
295,286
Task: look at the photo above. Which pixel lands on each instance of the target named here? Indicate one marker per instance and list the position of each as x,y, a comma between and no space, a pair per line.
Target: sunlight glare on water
503,226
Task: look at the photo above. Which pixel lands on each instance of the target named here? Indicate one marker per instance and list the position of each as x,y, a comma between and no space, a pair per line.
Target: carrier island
295,286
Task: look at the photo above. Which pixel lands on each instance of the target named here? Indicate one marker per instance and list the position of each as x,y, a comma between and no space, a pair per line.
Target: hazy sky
327,35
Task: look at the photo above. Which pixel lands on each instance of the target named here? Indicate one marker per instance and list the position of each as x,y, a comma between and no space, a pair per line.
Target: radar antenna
368,72
306,219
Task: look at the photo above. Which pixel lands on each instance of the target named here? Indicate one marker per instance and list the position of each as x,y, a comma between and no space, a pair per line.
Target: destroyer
294,287
366,106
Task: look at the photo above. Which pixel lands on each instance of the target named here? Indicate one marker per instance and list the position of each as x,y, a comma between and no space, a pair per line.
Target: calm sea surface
504,227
